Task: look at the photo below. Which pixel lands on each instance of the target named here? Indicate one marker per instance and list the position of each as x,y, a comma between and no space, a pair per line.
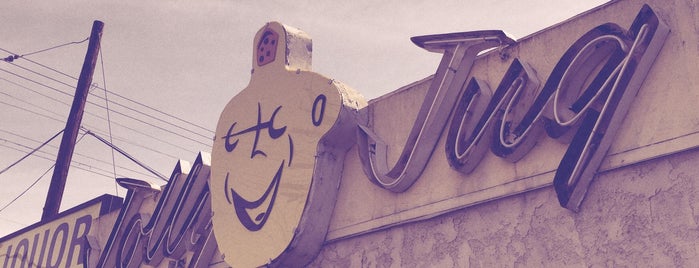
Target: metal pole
65,152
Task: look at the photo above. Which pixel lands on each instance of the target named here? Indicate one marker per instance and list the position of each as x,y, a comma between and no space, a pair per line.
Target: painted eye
318,110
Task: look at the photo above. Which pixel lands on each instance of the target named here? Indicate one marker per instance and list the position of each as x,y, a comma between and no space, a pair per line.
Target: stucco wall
634,215
659,122
638,216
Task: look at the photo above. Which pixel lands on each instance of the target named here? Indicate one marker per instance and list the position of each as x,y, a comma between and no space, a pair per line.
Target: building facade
638,211
574,146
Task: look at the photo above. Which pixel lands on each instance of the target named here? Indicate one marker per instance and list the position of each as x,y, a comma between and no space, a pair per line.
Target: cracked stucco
641,215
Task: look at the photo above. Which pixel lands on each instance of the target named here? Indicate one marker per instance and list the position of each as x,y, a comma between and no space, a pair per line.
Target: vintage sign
278,155
61,242
175,233
583,101
266,194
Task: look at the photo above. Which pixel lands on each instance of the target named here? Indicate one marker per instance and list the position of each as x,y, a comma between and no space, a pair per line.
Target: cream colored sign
278,155
61,242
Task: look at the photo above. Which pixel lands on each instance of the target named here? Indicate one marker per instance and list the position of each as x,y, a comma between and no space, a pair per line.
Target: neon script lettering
180,223
583,102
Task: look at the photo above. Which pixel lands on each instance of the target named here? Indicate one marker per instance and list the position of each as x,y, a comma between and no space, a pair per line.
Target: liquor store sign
267,193
61,242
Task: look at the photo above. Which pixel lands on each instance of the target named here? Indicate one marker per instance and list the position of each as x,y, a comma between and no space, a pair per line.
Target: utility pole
65,152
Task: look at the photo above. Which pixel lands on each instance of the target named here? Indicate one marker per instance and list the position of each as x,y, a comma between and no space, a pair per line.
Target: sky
168,68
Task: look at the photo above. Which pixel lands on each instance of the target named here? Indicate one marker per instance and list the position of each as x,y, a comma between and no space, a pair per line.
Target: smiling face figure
273,141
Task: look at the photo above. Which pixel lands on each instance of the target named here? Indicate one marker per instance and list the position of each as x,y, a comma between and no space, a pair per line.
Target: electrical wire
30,104
74,153
115,138
161,176
44,76
152,125
114,93
109,123
100,117
121,96
30,111
107,101
30,153
164,113
36,82
207,143
106,106
73,164
15,56
28,188
116,103
51,158
37,180
36,92
151,116
128,141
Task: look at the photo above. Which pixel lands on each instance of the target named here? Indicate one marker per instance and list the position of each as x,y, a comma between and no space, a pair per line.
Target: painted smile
243,207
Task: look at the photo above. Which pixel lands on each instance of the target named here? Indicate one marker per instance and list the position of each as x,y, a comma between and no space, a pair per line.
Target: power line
37,92
36,82
100,117
117,112
33,183
15,56
28,188
31,104
116,138
150,116
36,181
30,111
47,67
30,153
44,76
116,103
76,153
162,113
74,164
107,101
137,144
109,122
78,164
161,176
121,96
150,136
116,94
152,125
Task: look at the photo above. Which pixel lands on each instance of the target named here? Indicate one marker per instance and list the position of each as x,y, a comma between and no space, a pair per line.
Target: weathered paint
641,215
638,212
278,154
659,122
60,242
177,230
